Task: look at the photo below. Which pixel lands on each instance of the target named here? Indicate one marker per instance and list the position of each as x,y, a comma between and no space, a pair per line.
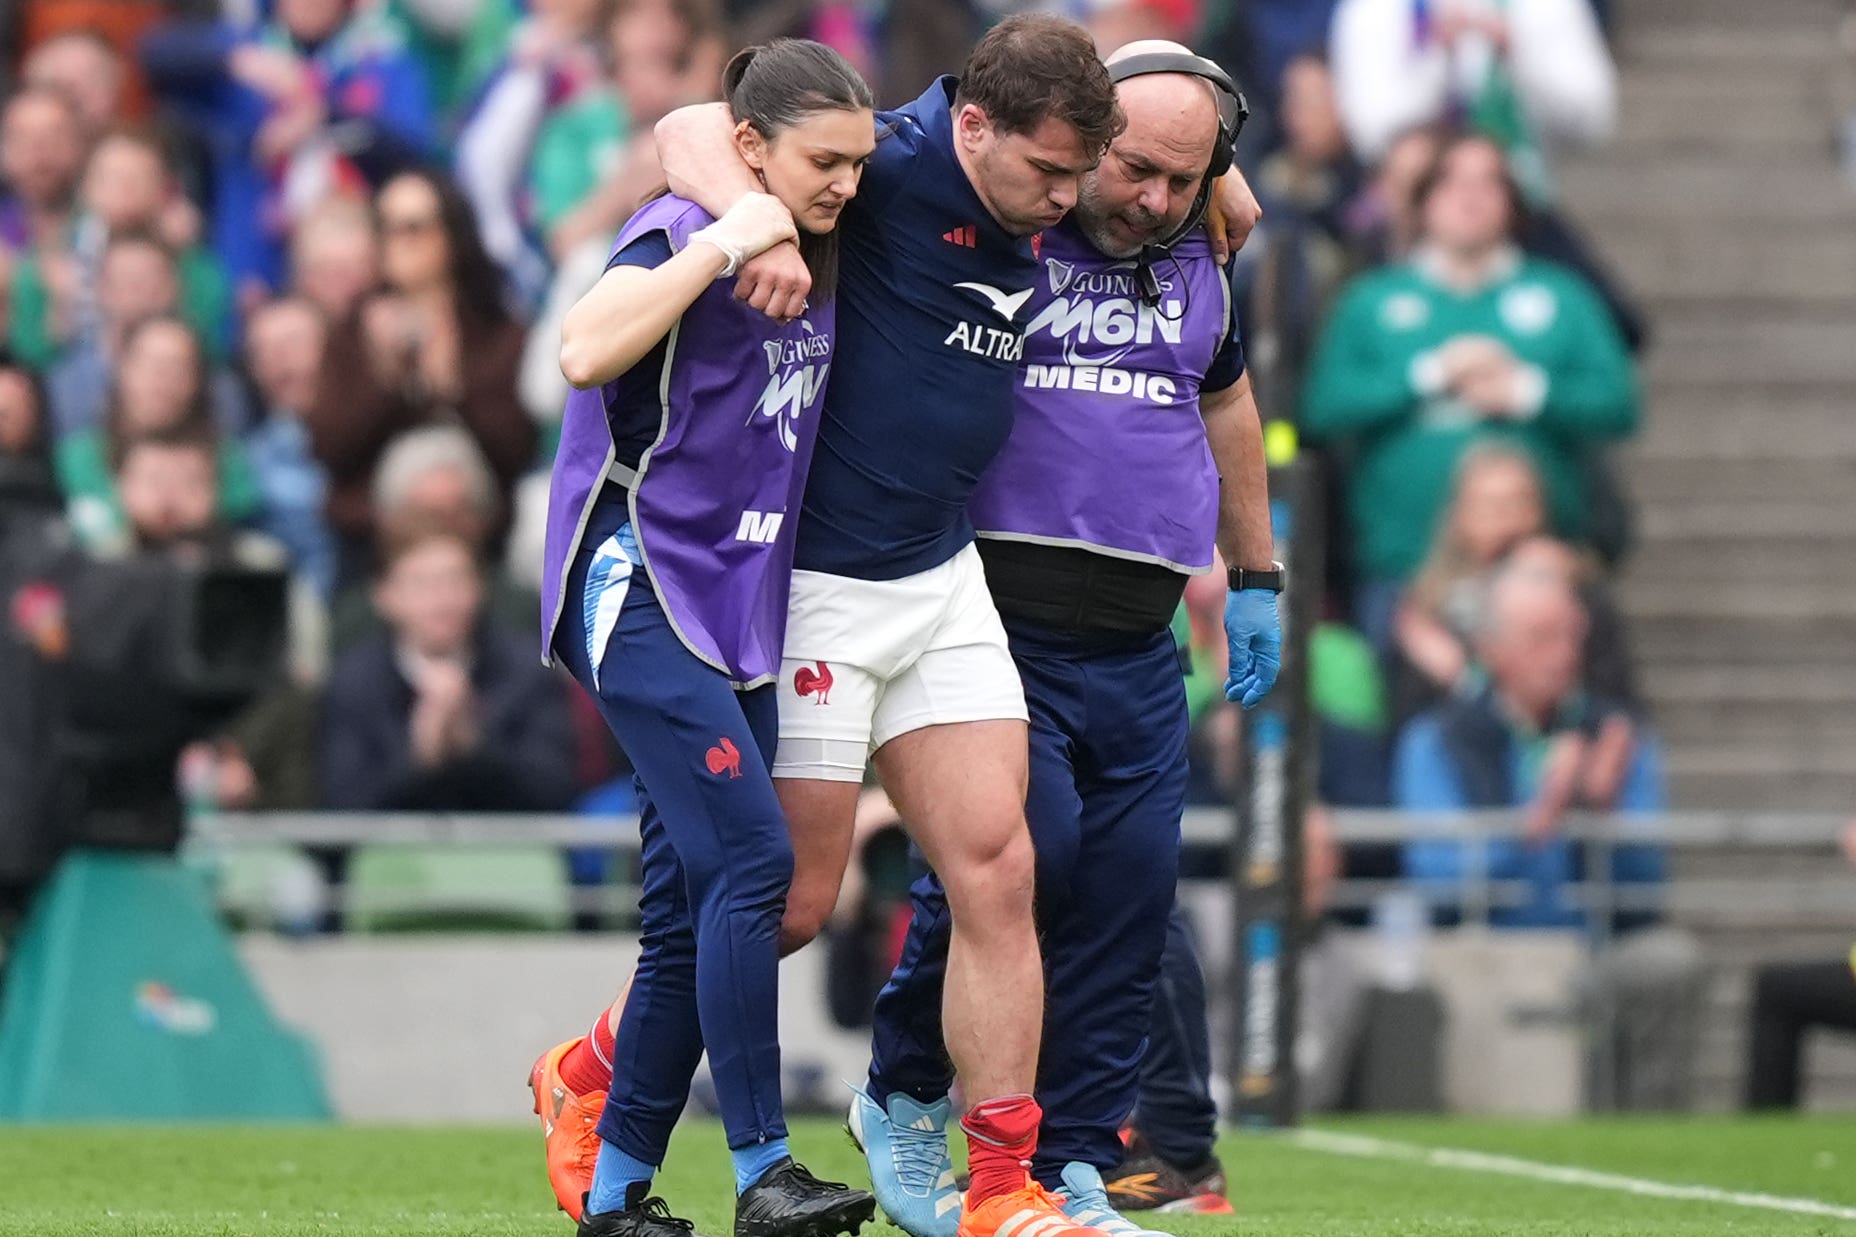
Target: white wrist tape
731,252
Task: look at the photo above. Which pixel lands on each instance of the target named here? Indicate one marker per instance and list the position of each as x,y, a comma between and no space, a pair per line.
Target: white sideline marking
1366,1147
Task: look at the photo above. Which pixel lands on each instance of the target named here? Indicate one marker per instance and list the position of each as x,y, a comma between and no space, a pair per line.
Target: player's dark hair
777,85
1519,219
1035,67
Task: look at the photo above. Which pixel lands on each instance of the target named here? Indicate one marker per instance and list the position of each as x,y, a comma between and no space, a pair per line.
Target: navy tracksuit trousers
1175,1112
718,862
1107,789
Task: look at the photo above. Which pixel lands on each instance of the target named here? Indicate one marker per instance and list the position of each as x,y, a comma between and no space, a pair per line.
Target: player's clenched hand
752,225
776,283
1253,631
1231,215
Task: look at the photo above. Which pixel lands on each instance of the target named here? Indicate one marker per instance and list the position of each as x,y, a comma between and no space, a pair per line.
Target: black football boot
788,1201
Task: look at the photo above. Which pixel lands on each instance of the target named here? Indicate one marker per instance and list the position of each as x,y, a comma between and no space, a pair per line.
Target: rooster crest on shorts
816,683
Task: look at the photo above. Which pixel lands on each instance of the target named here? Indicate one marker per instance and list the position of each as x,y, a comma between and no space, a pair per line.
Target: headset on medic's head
1233,111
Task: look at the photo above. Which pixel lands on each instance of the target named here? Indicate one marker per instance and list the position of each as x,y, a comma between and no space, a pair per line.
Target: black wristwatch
1275,579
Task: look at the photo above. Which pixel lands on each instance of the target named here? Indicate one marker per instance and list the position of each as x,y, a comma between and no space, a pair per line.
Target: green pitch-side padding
123,999
436,888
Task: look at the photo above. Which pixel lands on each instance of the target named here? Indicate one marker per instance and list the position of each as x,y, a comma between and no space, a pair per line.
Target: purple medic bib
715,498
1107,450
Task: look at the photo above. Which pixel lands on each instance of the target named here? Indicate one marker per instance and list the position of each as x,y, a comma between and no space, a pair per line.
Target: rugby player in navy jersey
1136,446
893,646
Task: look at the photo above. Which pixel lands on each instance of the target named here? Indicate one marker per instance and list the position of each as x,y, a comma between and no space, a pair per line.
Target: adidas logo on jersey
967,237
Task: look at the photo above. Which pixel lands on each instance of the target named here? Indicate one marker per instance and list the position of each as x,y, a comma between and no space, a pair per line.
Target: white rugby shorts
868,660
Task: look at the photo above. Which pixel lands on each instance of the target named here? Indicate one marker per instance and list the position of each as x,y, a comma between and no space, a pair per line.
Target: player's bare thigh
818,772
960,790
821,816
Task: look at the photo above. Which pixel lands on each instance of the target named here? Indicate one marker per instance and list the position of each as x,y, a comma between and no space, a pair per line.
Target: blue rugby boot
1086,1202
910,1172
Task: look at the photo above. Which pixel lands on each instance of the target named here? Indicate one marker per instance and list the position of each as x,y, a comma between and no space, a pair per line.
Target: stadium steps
1806,752
1747,476
1683,267
1678,190
1768,560
1758,641
1801,421
1681,114
1721,206
1728,37
1783,685
1697,347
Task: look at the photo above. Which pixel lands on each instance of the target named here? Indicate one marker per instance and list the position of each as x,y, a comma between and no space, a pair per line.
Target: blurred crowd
1421,309
284,278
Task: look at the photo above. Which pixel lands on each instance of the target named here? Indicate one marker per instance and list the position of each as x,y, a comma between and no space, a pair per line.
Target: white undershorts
868,660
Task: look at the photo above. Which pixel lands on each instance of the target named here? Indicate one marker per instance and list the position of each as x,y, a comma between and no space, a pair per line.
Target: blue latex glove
1253,631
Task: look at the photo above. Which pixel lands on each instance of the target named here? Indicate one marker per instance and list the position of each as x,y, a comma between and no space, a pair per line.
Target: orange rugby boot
1031,1212
568,1123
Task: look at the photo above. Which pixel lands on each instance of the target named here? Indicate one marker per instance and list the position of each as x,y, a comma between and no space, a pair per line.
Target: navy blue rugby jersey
931,315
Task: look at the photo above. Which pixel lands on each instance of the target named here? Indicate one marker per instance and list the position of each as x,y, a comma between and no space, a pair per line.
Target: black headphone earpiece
1233,111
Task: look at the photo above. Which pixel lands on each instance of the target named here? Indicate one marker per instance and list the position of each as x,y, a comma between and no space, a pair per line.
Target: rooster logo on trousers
725,758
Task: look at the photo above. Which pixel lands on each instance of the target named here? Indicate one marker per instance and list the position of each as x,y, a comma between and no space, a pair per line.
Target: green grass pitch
221,1181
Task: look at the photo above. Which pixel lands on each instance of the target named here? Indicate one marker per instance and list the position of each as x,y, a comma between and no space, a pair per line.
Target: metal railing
1202,826
1751,898
1754,899
1207,831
